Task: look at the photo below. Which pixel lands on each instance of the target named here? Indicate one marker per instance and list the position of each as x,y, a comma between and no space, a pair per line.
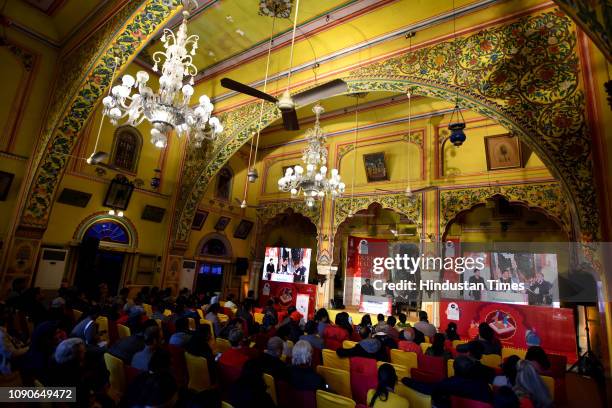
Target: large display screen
287,264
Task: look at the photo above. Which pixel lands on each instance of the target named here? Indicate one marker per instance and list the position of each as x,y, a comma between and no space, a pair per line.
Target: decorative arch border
411,207
103,216
220,237
268,210
539,98
547,197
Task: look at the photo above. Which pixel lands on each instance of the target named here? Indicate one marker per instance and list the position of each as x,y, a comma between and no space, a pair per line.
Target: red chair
424,376
317,358
178,364
363,378
433,365
130,374
409,346
458,402
289,397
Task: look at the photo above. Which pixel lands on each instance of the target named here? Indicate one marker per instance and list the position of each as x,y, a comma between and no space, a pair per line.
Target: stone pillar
325,292
255,275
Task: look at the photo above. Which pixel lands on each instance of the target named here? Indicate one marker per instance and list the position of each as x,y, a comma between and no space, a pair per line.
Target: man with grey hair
69,350
301,374
237,355
270,361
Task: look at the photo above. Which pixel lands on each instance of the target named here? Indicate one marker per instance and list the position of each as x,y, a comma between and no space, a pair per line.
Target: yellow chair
197,372
425,346
415,398
450,369
159,323
200,313
259,318
192,324
331,359
221,345
339,381
348,344
77,314
38,384
550,384
407,359
222,317
271,387
226,405
148,309
455,343
102,322
491,360
167,312
393,401
212,330
427,339
328,400
511,351
400,370
116,372
123,331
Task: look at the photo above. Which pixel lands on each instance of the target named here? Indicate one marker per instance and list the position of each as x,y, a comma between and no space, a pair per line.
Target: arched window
126,148
224,183
214,247
108,231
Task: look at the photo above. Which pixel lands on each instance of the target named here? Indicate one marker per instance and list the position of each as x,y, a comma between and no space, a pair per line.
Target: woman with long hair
451,332
529,385
322,319
437,347
383,395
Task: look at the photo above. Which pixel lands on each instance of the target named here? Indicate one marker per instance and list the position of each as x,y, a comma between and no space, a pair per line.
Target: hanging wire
355,158
409,94
297,6
110,87
261,105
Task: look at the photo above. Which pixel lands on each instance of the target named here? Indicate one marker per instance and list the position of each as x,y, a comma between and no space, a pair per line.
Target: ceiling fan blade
427,188
97,157
247,90
290,120
323,91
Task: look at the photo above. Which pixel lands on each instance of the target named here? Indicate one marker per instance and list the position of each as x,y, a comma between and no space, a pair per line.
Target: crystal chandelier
168,109
313,182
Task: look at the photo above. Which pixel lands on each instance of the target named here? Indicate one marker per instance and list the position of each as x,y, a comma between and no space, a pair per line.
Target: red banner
359,265
287,294
518,326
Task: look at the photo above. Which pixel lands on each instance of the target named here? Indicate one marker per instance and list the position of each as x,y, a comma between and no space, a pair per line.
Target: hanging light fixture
456,124
312,181
168,109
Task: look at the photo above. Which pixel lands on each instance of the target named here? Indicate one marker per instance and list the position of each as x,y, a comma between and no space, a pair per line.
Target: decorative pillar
325,291
254,274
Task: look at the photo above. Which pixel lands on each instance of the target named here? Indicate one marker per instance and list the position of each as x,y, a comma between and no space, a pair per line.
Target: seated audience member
366,321
505,398
155,387
451,332
383,395
486,337
270,315
237,355
301,375
407,342
126,347
45,338
245,312
508,376
322,319
293,323
152,340
475,350
283,333
270,361
403,323
87,329
312,336
424,326
538,357
462,384
437,347
381,325
391,330
59,314
10,349
211,316
181,336
229,303
367,347
198,345
250,390
529,386
214,299
334,335
158,308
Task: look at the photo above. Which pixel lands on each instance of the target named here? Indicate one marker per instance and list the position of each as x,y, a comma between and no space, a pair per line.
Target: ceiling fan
287,102
243,204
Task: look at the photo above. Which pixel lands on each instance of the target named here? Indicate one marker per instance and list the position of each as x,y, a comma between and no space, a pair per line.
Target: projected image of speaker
242,266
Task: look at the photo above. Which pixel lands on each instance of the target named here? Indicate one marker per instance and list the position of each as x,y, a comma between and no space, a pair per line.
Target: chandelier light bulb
142,77
243,204
128,81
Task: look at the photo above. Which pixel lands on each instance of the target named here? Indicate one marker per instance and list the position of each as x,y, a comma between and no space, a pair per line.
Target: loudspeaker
242,266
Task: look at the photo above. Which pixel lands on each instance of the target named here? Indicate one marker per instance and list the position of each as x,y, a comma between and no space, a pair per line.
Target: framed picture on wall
222,223
153,213
375,167
503,152
243,230
119,193
199,220
6,179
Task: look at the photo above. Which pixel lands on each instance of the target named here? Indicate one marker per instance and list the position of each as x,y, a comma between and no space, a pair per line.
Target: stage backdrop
287,294
517,326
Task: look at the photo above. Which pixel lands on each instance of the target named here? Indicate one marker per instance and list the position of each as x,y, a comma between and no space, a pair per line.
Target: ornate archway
524,75
227,246
102,219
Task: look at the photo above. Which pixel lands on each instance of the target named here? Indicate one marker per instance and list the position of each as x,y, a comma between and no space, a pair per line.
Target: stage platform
356,316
